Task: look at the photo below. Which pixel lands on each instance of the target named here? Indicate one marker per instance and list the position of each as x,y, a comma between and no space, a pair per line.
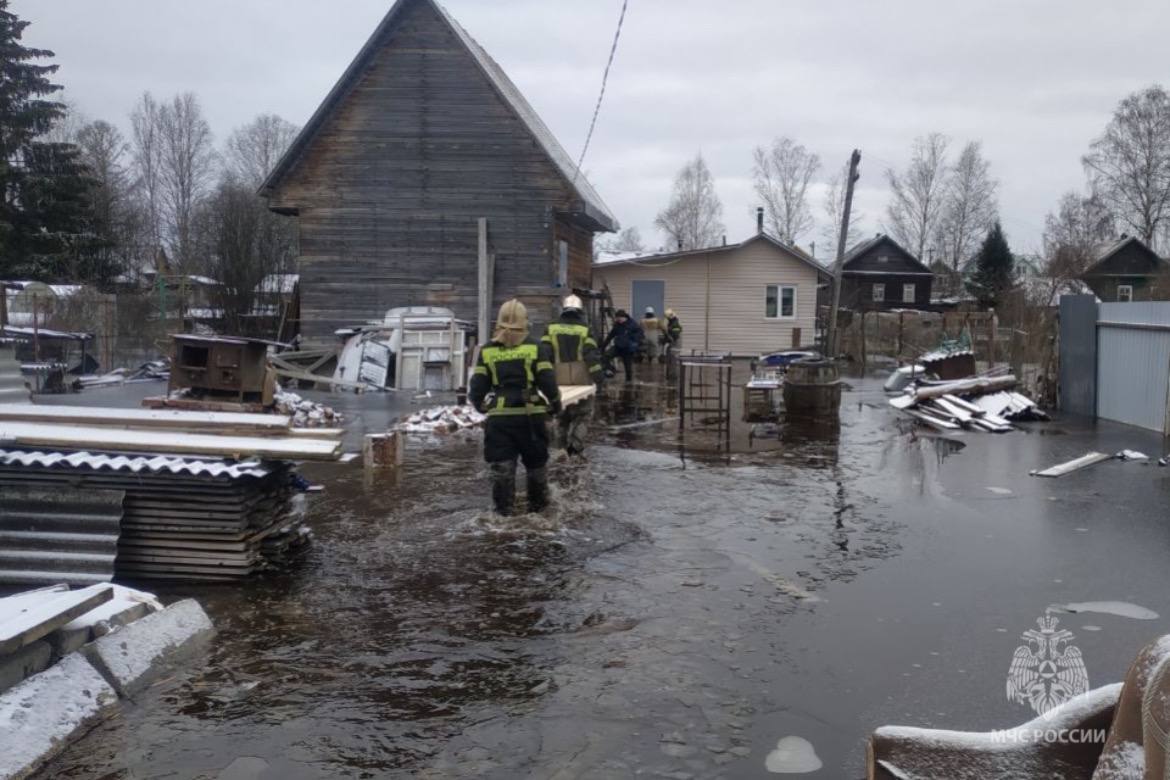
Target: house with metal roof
1129,270
757,296
424,136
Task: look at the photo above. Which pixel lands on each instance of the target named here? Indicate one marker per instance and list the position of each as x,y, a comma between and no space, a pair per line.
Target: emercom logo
1047,670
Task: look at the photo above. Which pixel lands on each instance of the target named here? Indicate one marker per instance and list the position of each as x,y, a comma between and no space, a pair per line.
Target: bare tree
1074,236
115,221
252,151
188,164
917,194
692,220
781,175
146,155
1129,164
629,240
834,210
969,208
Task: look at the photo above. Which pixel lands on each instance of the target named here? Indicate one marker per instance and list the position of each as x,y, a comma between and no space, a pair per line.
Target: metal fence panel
1133,365
1078,354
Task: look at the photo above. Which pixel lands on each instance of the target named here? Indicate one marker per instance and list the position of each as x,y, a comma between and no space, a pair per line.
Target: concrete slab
43,714
24,663
95,623
131,656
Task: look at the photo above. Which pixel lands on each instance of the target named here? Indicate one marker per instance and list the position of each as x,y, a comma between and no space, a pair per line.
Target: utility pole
831,333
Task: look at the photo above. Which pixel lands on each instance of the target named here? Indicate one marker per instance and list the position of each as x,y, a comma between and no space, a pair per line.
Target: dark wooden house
423,136
1128,270
879,274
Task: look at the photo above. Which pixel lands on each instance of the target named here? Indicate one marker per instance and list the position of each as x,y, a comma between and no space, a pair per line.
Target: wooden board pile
979,403
208,496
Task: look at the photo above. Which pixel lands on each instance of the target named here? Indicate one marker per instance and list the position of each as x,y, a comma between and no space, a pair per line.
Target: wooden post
383,450
36,332
485,284
863,340
831,332
901,332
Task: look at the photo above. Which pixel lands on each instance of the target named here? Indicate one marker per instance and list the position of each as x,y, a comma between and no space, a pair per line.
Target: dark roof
592,203
1113,249
865,246
795,252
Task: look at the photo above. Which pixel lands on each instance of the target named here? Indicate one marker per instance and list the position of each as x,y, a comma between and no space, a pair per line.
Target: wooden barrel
812,388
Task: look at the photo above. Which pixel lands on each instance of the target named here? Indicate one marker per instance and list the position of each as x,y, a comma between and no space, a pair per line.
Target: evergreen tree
43,185
994,272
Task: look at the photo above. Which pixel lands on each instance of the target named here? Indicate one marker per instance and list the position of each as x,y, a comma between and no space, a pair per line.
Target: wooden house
422,138
1128,270
878,274
749,298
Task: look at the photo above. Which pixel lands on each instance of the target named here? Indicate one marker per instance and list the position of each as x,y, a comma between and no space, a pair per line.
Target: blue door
647,293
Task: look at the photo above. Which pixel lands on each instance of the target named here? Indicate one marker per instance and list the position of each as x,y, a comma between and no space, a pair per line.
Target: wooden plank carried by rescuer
575,394
29,622
114,439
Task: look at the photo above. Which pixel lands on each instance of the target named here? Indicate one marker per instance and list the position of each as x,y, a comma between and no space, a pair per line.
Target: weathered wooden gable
886,256
1133,258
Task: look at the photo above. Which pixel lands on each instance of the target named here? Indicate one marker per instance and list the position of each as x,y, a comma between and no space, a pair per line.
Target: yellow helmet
669,313
512,323
572,302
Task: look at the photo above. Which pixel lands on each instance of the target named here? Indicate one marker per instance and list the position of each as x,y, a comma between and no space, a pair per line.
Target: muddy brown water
683,607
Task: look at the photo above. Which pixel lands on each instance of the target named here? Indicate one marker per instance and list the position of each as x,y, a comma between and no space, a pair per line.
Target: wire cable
601,96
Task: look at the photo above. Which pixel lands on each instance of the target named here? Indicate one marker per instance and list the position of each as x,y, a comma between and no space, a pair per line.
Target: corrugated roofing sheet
157,464
59,534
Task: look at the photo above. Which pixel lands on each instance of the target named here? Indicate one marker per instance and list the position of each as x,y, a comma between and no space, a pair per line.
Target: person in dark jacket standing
578,362
510,371
626,338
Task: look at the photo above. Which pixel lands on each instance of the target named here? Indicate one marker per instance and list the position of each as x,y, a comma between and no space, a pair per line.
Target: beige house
750,298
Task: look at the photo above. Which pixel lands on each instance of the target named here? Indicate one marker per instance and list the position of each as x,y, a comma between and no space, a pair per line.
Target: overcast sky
1034,80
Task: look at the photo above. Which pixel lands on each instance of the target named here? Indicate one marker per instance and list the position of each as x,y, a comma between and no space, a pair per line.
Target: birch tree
147,163
918,193
781,175
1073,237
969,208
1128,166
188,165
693,219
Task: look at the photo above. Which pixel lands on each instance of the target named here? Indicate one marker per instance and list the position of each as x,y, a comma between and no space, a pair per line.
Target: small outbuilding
1129,270
749,298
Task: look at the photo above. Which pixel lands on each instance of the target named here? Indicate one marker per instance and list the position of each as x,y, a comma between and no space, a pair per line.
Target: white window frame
879,292
1128,293
911,288
780,288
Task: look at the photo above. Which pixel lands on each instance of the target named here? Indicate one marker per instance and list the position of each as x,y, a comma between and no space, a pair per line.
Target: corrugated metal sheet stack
210,516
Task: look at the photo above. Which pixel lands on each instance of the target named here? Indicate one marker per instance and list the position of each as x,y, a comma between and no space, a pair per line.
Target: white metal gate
1133,364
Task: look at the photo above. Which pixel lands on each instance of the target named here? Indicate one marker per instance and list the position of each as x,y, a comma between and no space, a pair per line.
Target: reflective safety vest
572,343
514,374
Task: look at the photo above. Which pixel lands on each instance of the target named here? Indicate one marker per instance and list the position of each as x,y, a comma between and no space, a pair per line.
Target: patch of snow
793,756
1119,608
305,414
1126,761
442,419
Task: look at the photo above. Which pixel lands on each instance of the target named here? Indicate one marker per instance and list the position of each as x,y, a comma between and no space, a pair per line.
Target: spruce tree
43,186
994,272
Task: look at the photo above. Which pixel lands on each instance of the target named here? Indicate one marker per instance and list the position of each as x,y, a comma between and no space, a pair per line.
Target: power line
601,96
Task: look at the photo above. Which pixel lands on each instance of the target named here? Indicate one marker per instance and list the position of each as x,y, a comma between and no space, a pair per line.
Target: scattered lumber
143,419
29,617
1076,464
77,437
973,386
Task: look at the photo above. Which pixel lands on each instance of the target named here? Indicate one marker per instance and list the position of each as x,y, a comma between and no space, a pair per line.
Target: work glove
554,408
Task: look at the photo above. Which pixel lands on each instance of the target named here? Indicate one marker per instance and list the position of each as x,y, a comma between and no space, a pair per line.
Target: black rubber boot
537,489
503,474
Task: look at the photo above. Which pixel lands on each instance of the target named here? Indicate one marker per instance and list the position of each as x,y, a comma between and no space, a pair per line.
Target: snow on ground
443,419
306,414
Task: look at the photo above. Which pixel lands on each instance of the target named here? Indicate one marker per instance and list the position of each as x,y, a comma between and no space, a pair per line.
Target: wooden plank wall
390,191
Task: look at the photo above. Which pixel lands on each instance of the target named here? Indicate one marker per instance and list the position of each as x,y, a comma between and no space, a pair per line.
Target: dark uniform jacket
673,330
571,342
514,374
626,338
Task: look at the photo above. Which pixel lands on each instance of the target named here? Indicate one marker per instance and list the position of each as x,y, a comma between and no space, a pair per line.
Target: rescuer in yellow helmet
578,362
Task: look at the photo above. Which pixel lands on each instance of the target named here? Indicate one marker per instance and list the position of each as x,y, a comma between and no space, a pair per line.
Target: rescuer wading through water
578,362
510,371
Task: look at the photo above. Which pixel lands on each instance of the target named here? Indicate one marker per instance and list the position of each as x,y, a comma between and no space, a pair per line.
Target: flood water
689,602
